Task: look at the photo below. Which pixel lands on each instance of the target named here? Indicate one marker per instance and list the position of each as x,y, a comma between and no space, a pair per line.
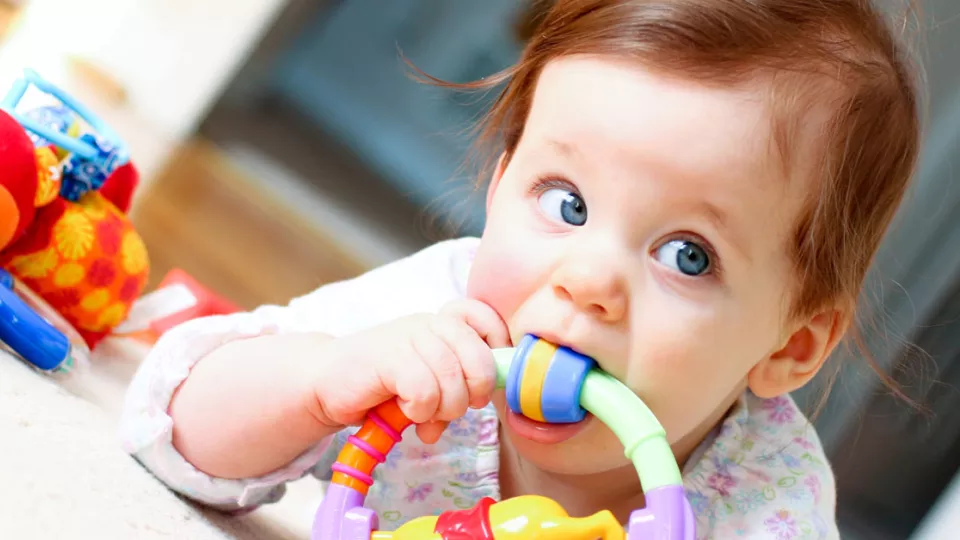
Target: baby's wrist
318,355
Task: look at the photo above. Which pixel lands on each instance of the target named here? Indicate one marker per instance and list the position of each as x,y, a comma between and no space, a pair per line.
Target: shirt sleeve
421,282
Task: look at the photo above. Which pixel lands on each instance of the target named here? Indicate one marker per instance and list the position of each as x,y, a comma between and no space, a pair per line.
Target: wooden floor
203,216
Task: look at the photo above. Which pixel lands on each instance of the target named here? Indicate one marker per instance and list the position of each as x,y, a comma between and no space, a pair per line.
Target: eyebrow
714,214
567,149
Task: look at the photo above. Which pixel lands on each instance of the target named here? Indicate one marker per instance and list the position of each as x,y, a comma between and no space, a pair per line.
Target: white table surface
111,370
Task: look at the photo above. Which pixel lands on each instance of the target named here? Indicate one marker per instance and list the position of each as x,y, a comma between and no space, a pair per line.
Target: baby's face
643,221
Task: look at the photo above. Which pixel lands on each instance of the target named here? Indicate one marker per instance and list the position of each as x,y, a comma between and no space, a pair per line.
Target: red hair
836,57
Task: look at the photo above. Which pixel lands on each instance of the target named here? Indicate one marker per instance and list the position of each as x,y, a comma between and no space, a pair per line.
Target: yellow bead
531,382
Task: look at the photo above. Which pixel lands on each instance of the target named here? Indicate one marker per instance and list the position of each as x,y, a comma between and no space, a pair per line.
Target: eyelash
547,182
544,183
716,266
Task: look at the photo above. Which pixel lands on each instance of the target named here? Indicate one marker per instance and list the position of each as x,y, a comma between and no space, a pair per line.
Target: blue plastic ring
560,398
80,148
515,375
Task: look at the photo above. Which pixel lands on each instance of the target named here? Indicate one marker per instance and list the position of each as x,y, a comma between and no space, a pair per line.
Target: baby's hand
437,365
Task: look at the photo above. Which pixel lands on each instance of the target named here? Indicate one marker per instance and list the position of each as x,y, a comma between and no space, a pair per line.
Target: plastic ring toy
559,385
544,382
32,330
80,148
95,156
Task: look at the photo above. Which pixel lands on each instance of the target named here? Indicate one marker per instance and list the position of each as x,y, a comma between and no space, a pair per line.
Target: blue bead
560,399
81,175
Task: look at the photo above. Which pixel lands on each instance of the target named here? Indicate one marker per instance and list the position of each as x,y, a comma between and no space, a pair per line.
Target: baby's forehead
608,106
659,135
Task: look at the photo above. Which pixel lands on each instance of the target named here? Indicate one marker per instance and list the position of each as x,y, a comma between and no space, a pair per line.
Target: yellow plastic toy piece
519,518
535,372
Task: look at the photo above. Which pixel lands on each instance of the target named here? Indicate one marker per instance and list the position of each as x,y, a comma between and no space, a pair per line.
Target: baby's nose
596,287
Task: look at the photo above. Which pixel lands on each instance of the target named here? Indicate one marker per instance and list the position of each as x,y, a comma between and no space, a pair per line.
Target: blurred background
283,145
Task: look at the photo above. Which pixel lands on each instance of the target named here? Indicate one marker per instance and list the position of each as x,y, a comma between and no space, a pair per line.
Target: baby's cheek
679,374
502,283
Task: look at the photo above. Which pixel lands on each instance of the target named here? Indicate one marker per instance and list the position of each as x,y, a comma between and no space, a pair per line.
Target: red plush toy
64,231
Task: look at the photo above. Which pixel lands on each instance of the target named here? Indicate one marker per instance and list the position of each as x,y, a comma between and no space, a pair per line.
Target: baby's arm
234,431
150,423
256,395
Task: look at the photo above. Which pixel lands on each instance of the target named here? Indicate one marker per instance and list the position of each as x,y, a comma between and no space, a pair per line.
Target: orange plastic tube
380,431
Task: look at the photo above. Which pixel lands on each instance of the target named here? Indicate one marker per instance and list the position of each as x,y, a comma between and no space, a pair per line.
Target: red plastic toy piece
119,186
207,302
470,524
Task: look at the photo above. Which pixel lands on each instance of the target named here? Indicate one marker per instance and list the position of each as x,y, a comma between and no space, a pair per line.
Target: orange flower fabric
48,176
86,260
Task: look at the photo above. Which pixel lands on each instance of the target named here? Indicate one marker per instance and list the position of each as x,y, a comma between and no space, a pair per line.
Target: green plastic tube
644,439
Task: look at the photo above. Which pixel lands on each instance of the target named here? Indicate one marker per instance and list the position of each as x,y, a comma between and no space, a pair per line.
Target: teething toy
65,185
546,383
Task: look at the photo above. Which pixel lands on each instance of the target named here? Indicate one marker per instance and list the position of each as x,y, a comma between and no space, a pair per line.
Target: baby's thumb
430,432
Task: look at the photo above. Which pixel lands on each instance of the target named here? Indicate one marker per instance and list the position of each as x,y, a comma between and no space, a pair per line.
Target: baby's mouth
553,339
542,432
527,427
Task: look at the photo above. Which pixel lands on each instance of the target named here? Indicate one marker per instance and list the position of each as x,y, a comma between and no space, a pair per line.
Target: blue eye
686,257
564,205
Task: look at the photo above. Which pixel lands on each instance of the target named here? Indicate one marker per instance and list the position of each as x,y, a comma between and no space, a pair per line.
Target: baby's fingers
416,387
443,359
475,358
430,432
486,322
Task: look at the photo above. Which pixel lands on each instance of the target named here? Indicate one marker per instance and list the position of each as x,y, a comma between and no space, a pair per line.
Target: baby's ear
804,353
495,179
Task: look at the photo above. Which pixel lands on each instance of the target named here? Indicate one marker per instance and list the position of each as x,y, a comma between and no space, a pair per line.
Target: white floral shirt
762,473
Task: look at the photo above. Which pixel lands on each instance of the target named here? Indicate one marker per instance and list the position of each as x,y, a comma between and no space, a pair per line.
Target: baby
688,191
